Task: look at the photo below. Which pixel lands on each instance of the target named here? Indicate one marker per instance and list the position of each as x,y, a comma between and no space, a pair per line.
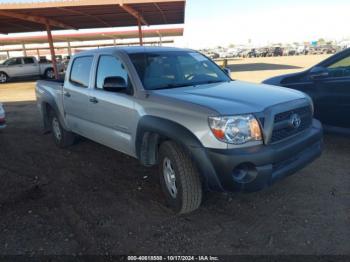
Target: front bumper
268,163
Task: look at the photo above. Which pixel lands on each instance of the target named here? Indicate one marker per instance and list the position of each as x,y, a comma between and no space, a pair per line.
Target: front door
333,101
113,113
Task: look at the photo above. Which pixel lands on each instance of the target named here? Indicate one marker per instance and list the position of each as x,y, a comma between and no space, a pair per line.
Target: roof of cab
133,50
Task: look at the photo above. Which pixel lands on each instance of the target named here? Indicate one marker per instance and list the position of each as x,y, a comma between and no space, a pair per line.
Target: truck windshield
165,70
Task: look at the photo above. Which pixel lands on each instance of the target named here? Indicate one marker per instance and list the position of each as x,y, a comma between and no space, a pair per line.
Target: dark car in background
275,51
328,84
262,52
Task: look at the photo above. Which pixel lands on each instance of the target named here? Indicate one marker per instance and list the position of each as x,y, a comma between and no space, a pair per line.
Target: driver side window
14,61
110,66
340,68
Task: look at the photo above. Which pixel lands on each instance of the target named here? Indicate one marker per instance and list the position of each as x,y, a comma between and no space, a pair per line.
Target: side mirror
318,72
115,84
227,71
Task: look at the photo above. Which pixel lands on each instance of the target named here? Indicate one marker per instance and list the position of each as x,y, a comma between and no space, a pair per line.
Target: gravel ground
93,200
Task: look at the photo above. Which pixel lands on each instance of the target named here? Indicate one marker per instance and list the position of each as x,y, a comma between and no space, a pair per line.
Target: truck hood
234,97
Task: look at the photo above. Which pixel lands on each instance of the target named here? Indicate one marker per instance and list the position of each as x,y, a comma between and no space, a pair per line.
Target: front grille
283,129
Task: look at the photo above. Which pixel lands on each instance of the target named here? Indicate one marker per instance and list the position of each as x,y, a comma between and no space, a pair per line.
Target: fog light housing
244,173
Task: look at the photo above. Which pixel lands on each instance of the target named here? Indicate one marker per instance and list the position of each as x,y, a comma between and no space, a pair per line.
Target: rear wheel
179,178
3,78
61,137
49,73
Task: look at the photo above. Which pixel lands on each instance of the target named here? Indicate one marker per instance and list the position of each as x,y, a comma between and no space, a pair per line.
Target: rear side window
80,72
28,60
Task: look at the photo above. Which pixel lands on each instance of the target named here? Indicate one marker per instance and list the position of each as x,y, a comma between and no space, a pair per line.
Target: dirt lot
92,200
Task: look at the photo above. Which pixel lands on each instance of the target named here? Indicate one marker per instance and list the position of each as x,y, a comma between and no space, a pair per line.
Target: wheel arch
152,131
3,72
48,105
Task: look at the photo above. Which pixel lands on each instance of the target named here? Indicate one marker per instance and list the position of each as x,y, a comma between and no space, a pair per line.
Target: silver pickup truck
177,109
23,67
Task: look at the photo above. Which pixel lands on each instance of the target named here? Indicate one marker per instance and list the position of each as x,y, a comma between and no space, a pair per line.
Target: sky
211,23
224,22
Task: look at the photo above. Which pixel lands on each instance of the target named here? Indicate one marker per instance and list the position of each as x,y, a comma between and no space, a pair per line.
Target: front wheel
3,78
179,178
61,137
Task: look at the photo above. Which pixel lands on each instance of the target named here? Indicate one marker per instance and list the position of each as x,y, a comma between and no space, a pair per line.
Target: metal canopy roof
80,14
91,36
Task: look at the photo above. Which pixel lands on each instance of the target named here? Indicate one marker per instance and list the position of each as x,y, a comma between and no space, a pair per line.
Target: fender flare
48,100
151,131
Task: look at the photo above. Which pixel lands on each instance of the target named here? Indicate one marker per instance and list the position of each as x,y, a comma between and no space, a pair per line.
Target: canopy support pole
140,31
69,49
52,50
24,50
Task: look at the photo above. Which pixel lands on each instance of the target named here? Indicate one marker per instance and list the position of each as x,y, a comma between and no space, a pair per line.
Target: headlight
236,129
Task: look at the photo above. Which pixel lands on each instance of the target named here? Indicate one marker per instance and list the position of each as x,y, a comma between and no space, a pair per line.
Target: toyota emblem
295,121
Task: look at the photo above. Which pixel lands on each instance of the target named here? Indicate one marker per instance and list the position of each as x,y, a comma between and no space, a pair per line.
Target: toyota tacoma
177,109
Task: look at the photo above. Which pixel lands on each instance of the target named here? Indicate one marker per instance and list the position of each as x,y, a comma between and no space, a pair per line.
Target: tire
61,137
49,73
3,78
184,192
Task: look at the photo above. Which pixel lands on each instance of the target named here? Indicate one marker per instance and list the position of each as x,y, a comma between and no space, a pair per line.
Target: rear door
113,113
30,67
333,101
76,95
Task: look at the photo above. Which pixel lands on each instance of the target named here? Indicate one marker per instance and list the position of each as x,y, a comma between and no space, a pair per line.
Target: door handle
93,100
66,94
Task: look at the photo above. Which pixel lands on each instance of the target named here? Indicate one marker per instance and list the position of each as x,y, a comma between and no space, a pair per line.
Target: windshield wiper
214,81
170,86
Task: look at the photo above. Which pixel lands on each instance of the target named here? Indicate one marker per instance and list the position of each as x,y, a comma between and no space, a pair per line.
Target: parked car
316,50
327,83
212,55
302,50
249,53
233,52
2,117
328,49
289,51
275,51
262,52
177,109
224,54
23,67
